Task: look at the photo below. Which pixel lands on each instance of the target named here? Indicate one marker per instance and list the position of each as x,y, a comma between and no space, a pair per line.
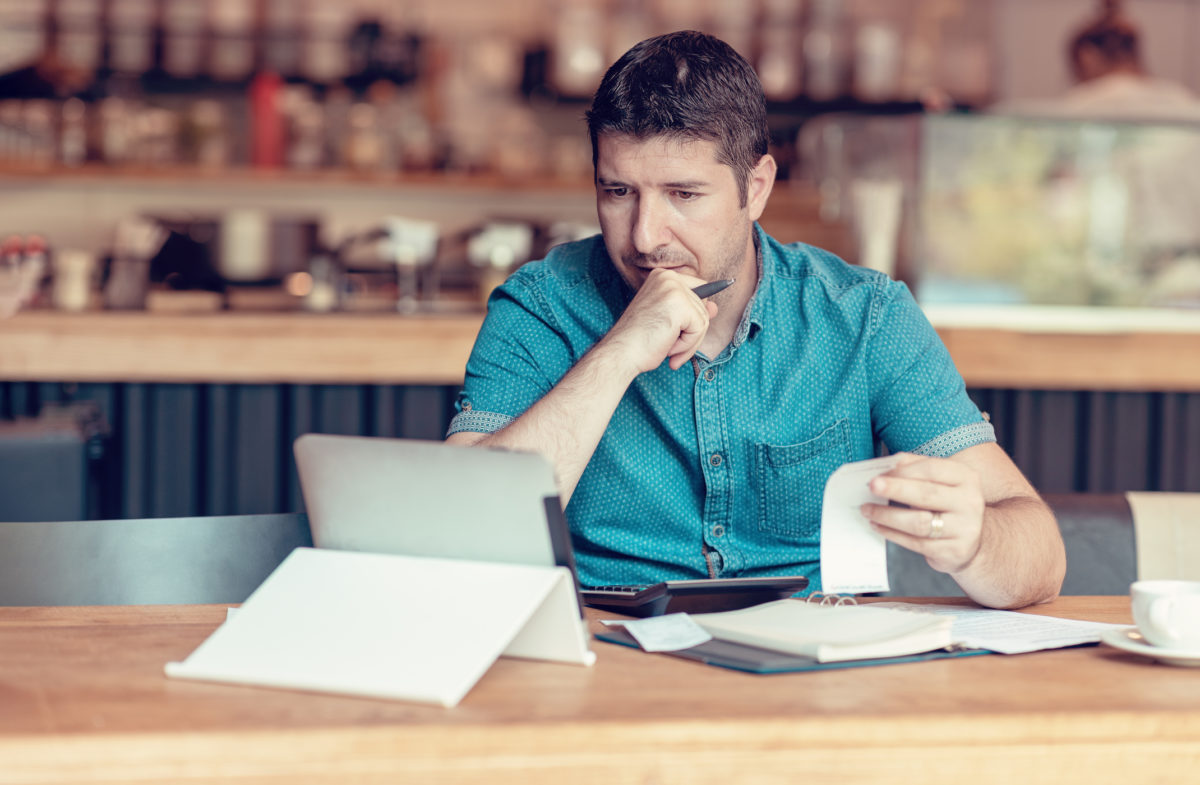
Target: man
694,437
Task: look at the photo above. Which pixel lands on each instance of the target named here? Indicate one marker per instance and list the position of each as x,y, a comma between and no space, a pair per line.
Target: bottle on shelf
825,51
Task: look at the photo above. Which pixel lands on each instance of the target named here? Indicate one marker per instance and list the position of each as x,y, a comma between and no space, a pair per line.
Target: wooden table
83,699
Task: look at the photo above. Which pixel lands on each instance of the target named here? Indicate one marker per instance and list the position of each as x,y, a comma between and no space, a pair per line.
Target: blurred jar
116,130
231,55
158,136
364,148
495,251
304,122
578,56
127,284
131,36
411,245
73,137
183,26
38,145
74,279
244,251
779,65
208,135
877,53
825,64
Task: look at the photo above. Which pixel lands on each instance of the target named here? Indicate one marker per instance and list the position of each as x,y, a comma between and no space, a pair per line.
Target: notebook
426,498
830,633
794,635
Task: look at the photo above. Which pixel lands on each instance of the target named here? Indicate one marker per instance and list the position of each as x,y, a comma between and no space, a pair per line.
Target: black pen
712,287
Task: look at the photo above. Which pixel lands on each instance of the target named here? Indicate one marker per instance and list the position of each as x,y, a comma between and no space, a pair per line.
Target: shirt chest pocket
791,481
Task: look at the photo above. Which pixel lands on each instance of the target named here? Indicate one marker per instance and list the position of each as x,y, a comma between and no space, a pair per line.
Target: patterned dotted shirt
718,468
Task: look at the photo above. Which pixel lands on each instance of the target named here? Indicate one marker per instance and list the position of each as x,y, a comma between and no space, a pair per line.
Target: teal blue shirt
718,468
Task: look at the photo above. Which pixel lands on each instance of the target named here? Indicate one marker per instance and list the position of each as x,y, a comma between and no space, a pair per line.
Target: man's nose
650,230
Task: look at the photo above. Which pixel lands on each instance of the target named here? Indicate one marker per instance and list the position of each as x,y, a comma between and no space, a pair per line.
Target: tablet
704,595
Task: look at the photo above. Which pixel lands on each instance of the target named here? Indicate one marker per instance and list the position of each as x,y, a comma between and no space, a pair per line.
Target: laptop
427,498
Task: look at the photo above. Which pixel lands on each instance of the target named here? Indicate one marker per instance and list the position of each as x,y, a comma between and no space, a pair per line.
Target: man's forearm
1021,560
568,422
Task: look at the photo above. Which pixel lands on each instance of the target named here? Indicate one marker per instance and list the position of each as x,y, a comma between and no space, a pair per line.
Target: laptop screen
428,498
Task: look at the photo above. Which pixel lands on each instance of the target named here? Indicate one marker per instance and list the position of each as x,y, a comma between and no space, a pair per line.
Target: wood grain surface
269,348
83,699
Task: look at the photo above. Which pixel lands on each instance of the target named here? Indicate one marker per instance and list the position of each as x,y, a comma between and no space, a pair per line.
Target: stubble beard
731,256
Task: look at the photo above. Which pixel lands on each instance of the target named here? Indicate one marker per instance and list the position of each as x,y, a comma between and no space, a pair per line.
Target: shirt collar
752,318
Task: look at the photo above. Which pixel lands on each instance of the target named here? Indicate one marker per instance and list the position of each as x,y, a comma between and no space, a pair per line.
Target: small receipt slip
671,632
853,555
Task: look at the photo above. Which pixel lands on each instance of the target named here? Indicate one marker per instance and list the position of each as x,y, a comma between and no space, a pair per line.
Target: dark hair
1112,35
689,85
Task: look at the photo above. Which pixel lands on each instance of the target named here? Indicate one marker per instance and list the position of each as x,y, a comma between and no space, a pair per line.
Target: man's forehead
676,145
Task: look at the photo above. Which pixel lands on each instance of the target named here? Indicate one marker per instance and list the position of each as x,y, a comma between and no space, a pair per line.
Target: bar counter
1012,348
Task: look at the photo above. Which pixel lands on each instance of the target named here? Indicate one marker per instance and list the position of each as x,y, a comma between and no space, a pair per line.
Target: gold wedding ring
936,527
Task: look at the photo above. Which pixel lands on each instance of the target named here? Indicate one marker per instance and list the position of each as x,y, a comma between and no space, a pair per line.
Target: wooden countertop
85,700
1087,349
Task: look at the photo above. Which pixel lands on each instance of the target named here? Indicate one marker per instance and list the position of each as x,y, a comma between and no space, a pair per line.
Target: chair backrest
1097,529
212,559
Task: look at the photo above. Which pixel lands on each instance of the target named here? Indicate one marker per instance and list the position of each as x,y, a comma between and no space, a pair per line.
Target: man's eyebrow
682,185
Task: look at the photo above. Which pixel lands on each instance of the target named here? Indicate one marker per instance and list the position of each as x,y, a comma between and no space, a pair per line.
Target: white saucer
1129,639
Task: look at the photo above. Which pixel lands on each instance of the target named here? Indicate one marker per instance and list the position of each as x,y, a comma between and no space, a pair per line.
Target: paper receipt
853,555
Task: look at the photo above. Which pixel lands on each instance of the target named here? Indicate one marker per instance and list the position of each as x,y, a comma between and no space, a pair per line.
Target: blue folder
752,659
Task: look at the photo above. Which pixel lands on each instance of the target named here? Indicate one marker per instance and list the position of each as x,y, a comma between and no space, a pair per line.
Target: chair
151,561
1098,532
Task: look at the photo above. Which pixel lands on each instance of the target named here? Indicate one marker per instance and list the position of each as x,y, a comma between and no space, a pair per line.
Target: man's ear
758,190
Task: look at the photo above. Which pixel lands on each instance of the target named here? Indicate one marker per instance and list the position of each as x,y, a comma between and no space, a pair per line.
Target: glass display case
1019,210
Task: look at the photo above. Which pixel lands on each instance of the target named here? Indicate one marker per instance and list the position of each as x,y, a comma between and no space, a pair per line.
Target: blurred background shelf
182,174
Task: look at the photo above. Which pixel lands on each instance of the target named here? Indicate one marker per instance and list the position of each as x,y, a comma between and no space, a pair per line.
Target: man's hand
975,517
665,320
942,513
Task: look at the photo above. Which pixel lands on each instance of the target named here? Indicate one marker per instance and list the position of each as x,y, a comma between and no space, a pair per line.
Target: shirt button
718,531
710,374
715,459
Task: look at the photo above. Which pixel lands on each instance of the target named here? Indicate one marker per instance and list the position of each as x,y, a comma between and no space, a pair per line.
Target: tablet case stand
391,626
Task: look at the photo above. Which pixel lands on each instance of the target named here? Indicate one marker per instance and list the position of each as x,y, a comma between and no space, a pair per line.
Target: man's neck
732,308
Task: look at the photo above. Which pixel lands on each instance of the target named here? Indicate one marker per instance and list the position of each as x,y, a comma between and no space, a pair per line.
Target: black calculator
703,595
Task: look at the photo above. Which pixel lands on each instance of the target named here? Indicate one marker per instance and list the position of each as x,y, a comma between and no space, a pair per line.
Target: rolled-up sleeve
918,399
519,355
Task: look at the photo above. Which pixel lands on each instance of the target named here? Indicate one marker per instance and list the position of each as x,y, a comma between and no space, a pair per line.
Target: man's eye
686,196
616,191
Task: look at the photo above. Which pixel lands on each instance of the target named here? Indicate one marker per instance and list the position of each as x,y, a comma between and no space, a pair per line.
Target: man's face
663,202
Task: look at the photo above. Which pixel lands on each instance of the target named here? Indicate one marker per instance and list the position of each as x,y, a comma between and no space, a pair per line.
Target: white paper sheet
853,555
671,632
1008,632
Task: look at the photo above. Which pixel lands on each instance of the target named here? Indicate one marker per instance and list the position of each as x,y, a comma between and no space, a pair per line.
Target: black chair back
1097,530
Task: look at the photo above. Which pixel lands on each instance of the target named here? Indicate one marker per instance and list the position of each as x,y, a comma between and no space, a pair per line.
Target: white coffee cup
1167,613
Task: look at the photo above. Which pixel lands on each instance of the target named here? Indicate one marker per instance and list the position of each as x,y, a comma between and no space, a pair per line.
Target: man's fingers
923,494
923,467
917,523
